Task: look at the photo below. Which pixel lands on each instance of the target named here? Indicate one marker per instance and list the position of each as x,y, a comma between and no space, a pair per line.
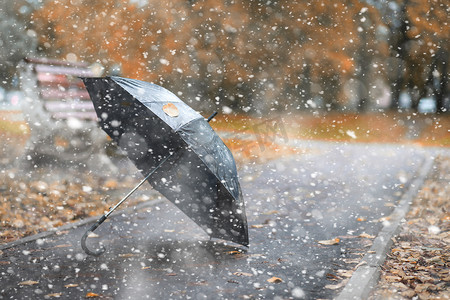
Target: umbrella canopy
195,170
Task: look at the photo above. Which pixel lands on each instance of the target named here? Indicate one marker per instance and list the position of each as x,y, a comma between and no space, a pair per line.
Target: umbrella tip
212,116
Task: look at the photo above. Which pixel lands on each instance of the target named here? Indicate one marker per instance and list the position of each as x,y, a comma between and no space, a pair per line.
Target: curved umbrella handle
105,216
83,239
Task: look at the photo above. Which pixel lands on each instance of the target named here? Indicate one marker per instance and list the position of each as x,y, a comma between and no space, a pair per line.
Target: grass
432,130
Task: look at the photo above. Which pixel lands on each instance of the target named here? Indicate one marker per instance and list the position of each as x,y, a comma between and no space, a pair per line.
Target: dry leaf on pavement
275,280
29,282
257,226
337,286
329,242
53,295
416,265
366,235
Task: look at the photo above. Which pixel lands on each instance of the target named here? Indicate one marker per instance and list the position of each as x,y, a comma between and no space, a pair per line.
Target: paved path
330,191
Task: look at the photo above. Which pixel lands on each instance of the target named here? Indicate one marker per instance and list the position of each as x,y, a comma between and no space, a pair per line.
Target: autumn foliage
239,51
263,55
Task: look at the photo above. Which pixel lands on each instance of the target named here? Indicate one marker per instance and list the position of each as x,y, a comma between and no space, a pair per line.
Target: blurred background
252,57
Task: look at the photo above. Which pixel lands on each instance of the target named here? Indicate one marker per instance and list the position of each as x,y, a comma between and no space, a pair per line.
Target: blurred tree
237,53
438,80
16,39
419,41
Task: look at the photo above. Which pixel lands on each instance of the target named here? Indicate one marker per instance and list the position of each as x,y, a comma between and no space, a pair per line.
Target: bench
59,111
61,91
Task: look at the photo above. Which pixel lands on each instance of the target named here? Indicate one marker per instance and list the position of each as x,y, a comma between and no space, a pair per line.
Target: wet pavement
329,191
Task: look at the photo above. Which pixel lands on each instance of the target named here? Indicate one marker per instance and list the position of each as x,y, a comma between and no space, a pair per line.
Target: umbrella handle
83,239
105,216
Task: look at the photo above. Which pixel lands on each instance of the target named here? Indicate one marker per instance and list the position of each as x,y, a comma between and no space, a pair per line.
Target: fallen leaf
110,184
329,242
198,283
145,268
345,273
337,286
255,255
274,280
422,287
29,282
332,277
70,285
257,226
171,110
405,245
92,235
2,262
63,246
351,260
171,274
361,219
383,219
361,263
92,295
18,223
434,259
56,295
242,274
272,212
391,278
446,217
366,235
409,293
234,252
127,255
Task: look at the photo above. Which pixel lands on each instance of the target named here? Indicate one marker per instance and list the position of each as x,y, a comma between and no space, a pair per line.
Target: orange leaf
329,242
92,295
171,110
275,280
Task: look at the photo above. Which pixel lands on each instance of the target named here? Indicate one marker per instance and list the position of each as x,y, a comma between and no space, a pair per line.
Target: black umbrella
176,150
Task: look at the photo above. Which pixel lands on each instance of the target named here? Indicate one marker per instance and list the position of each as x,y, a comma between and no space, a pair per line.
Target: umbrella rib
139,184
148,176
